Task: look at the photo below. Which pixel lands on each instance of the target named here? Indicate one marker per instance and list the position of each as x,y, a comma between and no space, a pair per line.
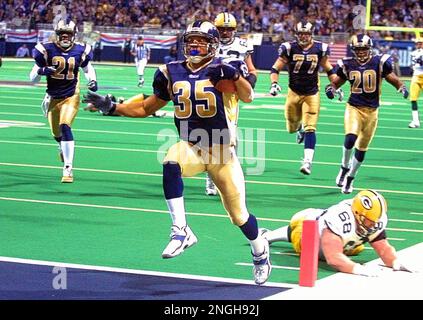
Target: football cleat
341,176
180,239
210,187
300,135
67,175
414,124
262,266
141,83
348,186
306,168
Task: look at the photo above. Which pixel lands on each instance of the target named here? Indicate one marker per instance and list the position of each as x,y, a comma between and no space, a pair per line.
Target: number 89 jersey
63,83
340,220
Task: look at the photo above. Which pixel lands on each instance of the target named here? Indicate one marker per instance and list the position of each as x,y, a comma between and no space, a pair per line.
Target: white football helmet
65,33
196,51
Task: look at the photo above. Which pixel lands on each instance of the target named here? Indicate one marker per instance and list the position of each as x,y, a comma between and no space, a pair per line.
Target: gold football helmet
368,206
226,24
65,33
361,45
304,33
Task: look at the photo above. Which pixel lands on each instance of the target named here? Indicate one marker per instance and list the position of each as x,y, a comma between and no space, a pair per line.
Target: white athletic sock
308,155
257,246
354,167
346,156
177,211
68,149
415,114
280,234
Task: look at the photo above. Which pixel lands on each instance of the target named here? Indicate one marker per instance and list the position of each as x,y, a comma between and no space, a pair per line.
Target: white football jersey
416,59
238,49
340,220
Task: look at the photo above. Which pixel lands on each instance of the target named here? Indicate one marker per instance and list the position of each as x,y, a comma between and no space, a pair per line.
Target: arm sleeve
89,72
387,67
87,56
160,86
33,75
340,70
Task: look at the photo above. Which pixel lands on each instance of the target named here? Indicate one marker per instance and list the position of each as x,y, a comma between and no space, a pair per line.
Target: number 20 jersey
365,79
64,81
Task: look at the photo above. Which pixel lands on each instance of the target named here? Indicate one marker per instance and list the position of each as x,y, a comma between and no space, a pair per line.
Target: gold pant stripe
361,121
303,109
62,111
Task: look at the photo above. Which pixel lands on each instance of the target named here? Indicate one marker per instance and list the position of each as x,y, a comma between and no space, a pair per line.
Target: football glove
330,91
222,71
340,94
92,85
275,88
398,266
104,104
366,271
403,90
46,71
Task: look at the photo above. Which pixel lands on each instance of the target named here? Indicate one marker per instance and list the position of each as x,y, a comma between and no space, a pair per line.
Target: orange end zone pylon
309,253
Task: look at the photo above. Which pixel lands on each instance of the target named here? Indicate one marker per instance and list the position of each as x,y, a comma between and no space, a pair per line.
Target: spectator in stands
172,56
22,51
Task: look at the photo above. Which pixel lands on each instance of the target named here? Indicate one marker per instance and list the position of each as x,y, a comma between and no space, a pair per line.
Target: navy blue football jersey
365,79
303,65
199,107
63,82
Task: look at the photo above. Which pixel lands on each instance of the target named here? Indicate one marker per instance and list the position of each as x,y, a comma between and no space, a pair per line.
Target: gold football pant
303,109
415,87
361,121
222,164
62,111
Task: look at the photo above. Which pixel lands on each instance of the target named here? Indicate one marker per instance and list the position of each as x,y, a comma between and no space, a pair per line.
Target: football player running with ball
205,119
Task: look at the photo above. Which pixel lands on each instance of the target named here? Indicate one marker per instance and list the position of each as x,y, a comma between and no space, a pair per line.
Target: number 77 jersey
64,82
365,78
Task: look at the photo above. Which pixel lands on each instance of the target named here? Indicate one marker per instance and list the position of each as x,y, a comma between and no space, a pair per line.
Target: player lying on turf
343,229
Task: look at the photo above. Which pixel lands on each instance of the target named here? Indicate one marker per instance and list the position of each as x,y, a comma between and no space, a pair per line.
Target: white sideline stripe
247,158
273,266
201,214
140,272
417,213
302,185
171,125
395,239
390,285
75,204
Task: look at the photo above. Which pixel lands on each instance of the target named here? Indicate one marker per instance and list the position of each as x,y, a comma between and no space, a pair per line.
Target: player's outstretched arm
388,255
136,109
398,84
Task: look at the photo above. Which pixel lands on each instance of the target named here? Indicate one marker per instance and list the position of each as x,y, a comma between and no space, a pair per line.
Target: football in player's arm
364,71
59,61
198,117
344,228
303,58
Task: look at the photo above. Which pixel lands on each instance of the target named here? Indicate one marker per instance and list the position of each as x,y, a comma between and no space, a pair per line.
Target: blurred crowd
262,16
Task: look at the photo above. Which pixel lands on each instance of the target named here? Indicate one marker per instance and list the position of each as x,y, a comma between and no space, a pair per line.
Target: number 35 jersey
202,113
63,83
340,220
365,79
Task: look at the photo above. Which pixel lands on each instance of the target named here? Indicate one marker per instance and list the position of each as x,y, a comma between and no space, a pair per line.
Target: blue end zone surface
36,282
